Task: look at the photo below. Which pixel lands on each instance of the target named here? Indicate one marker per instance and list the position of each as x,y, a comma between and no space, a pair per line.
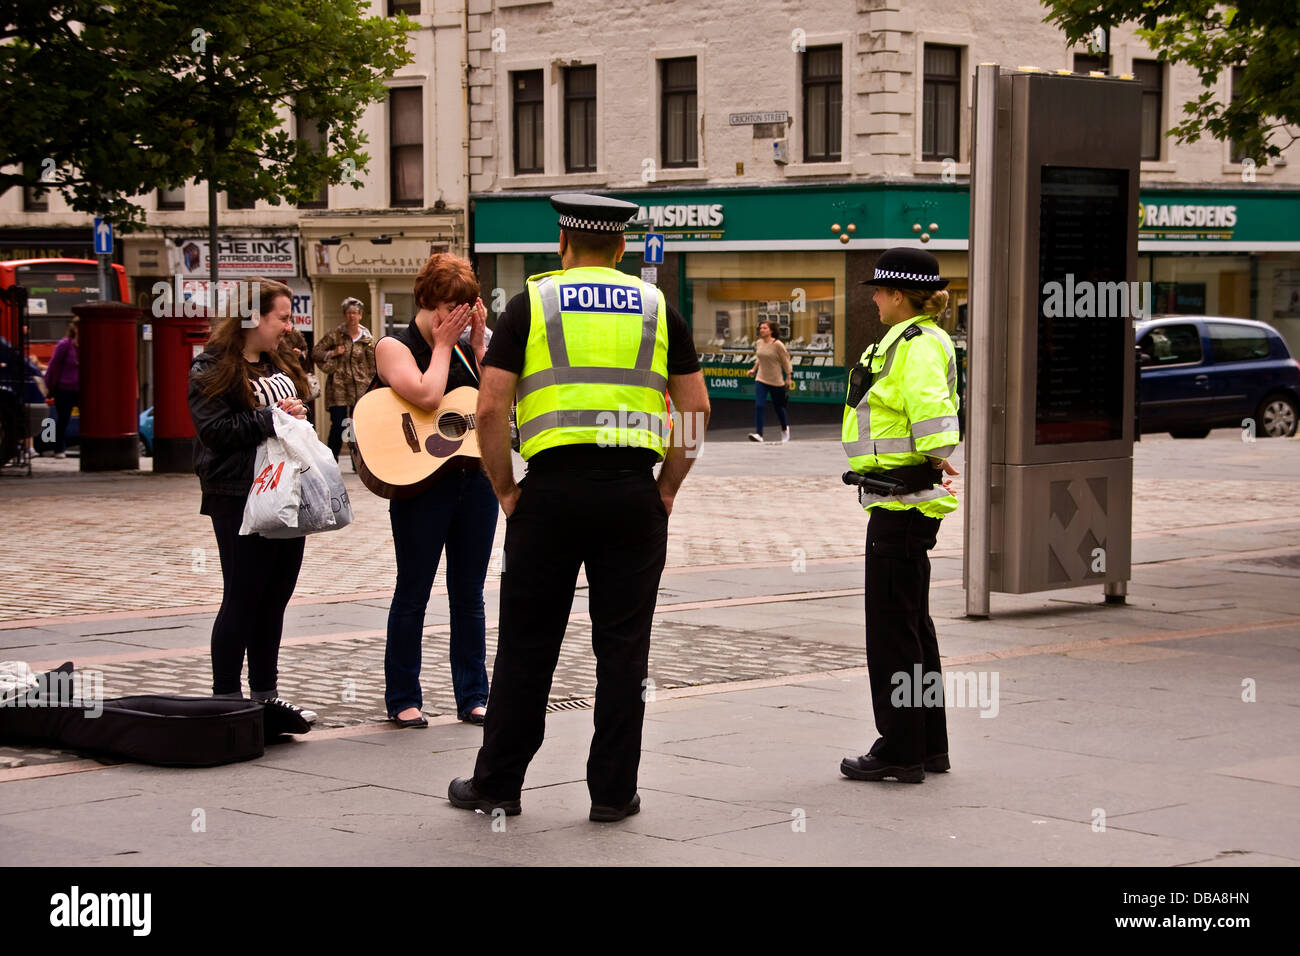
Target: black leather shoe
937,764
868,767
417,721
463,794
604,814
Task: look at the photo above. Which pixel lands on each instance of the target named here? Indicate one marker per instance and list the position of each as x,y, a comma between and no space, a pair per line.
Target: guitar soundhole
453,425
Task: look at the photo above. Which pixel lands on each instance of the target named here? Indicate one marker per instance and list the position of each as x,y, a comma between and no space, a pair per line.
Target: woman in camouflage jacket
347,356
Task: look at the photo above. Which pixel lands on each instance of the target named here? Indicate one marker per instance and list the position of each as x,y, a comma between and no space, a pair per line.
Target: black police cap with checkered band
903,268
582,212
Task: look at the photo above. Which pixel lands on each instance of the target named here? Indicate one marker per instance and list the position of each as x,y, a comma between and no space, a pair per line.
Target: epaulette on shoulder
911,332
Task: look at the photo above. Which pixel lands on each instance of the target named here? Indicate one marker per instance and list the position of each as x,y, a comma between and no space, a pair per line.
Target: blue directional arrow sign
103,234
654,248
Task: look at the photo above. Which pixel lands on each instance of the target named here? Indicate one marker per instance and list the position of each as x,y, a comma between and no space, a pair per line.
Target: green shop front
735,257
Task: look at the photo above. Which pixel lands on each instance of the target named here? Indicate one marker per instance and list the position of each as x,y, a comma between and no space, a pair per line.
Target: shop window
406,145
941,103
35,199
823,93
171,199
1086,63
529,129
310,132
1237,343
580,119
1150,75
1235,154
1171,345
679,134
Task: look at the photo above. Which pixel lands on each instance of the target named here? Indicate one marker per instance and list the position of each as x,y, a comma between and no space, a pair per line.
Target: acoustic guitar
399,448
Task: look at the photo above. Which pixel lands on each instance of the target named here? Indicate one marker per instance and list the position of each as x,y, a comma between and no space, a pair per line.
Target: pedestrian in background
235,385
62,384
347,356
900,422
438,352
774,376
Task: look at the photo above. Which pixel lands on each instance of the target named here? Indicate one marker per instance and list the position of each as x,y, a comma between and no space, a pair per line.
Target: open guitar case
146,728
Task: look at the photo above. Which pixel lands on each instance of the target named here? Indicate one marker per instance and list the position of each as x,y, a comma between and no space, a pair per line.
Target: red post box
176,342
110,387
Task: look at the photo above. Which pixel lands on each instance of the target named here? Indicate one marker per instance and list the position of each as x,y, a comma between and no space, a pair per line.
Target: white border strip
834,245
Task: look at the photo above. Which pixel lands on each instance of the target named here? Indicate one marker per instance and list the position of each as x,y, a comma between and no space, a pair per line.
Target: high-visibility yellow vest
908,411
595,364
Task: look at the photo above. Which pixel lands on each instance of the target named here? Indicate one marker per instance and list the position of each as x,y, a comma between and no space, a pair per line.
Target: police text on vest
593,297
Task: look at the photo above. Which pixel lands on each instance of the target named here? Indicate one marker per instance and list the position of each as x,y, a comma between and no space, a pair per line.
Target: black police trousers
614,523
902,650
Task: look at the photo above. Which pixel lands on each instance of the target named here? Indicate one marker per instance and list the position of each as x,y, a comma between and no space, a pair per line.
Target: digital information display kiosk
1053,258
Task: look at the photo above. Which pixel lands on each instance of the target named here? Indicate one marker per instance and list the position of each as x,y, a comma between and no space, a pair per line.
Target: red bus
53,287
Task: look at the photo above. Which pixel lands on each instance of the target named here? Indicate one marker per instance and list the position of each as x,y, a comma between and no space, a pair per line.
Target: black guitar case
153,729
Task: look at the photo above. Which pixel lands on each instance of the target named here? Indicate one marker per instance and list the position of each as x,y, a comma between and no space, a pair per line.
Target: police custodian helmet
582,212
903,268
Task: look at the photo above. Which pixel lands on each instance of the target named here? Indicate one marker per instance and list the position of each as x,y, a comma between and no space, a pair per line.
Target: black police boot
868,767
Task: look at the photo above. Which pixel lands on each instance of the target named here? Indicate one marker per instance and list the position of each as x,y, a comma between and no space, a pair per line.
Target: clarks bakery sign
364,258
1186,221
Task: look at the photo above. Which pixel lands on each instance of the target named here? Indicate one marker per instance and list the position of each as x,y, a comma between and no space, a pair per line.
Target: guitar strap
465,361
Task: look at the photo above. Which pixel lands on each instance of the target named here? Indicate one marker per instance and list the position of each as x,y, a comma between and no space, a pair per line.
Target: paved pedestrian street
757,685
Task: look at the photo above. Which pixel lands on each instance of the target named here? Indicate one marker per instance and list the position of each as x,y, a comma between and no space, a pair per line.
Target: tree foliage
131,96
1263,36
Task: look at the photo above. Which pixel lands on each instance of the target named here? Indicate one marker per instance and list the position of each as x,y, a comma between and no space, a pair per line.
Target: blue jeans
458,512
778,393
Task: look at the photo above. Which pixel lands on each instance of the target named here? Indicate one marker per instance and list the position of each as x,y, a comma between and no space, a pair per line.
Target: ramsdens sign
684,216
1159,215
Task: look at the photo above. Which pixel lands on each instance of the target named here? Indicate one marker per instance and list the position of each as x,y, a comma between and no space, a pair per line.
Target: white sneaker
755,436
785,435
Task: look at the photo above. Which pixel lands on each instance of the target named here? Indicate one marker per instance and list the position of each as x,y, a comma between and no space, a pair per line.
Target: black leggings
258,578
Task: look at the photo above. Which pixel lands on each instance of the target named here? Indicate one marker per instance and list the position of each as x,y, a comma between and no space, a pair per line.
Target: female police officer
900,425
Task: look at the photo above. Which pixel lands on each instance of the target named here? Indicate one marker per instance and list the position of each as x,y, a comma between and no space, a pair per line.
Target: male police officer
588,352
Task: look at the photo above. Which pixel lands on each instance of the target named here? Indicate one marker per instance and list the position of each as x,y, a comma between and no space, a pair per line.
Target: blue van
1201,371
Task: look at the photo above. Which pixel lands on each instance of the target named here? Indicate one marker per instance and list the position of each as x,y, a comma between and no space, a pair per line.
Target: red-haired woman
439,351
235,384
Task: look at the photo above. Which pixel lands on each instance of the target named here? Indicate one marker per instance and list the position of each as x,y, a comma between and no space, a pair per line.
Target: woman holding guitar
438,352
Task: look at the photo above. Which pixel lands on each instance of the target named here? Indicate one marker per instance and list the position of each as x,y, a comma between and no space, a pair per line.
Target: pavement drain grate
585,703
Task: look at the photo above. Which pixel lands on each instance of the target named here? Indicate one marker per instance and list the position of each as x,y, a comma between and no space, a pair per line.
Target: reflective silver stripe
550,297
588,418
952,360
943,451
893,446
645,356
855,448
929,494
589,375
933,426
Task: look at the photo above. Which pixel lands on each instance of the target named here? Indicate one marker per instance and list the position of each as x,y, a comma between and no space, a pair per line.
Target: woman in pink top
773,377
62,384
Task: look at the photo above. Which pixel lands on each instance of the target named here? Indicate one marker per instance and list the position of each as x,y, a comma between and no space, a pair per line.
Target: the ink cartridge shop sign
270,257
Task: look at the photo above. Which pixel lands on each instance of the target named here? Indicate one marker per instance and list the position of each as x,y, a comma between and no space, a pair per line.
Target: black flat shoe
937,764
420,721
473,718
463,794
868,767
604,814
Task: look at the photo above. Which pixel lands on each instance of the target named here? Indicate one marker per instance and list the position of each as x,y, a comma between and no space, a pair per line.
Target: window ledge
1158,166
1234,169
679,173
819,169
930,167
544,181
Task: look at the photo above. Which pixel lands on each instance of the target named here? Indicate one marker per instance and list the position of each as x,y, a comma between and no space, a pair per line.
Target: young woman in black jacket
235,384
